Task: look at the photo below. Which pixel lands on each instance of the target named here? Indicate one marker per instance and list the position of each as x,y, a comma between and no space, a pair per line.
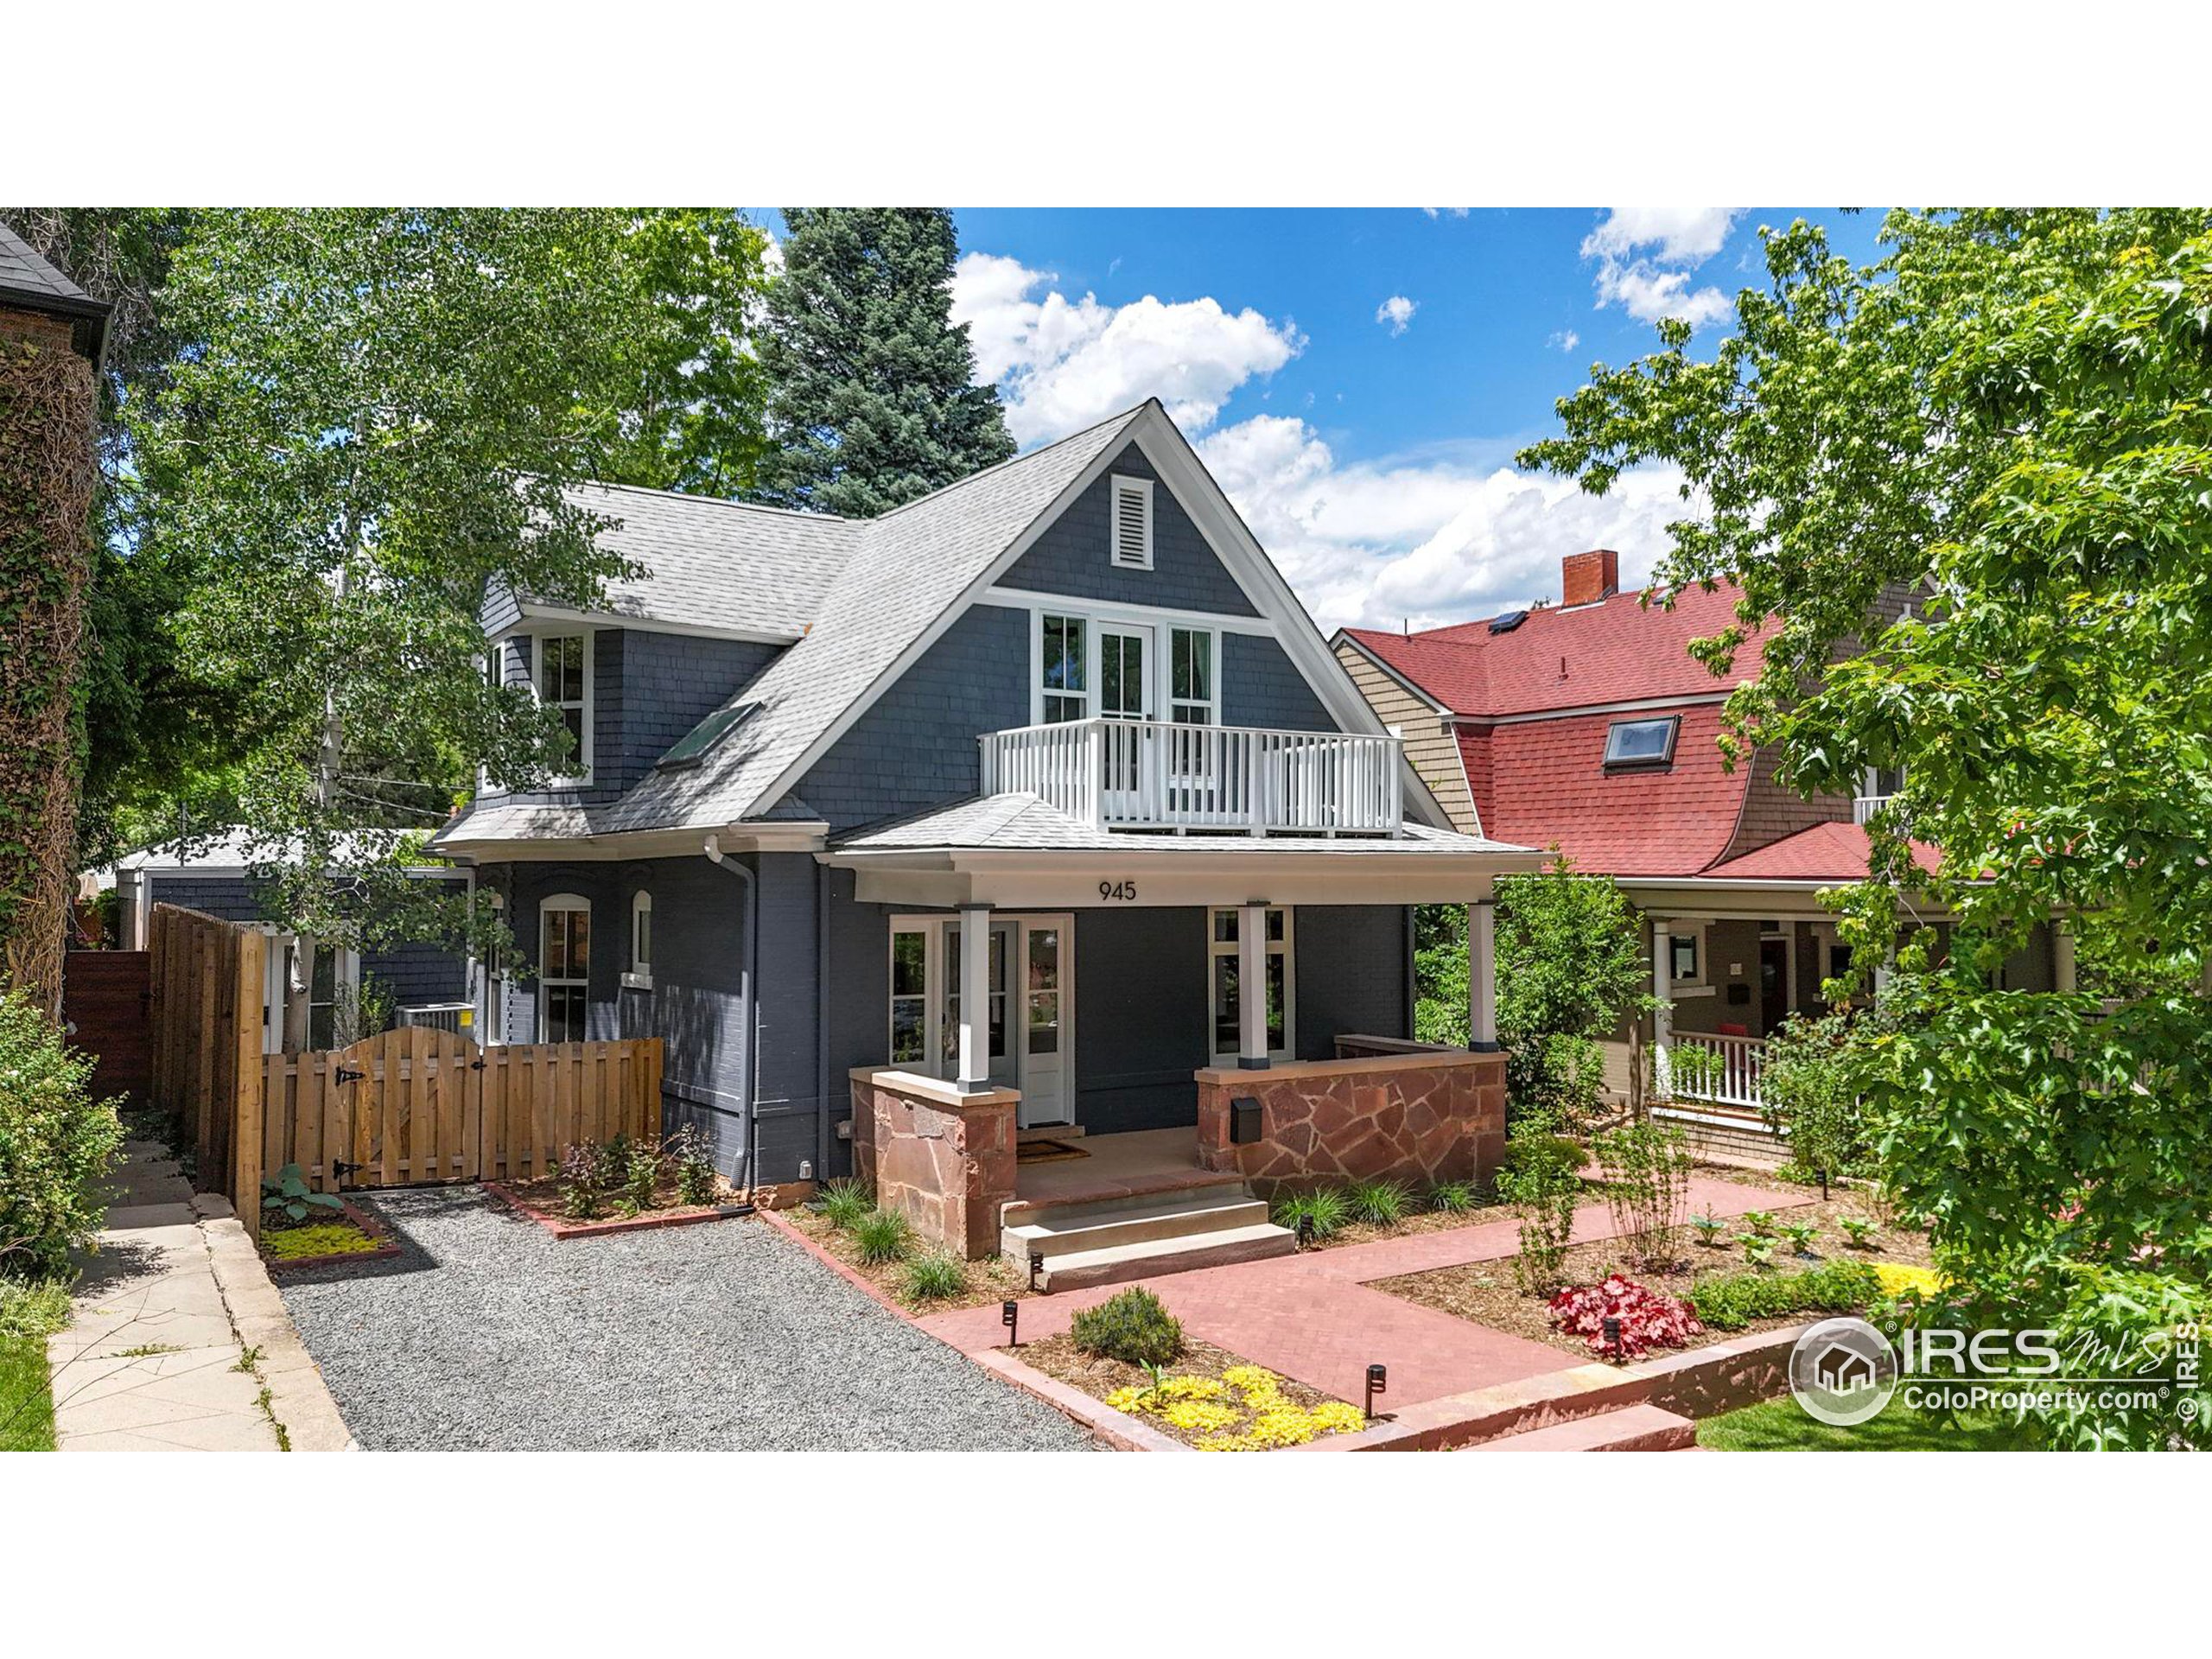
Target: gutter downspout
749,1078
822,1023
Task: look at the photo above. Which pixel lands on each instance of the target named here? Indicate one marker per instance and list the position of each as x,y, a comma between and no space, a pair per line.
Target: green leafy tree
379,415
872,400
2005,417
1809,1094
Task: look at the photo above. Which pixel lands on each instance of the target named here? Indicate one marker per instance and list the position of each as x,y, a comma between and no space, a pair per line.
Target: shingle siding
1771,810
1073,556
1429,741
1260,686
916,747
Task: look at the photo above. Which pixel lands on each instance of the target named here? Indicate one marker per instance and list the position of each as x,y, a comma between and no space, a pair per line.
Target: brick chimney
1586,578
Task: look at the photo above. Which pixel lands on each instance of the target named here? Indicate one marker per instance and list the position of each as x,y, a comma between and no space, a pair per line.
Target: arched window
563,967
640,974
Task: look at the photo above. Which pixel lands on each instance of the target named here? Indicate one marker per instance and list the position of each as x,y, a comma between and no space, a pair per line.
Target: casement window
1063,669
1192,698
1131,526
564,968
639,975
1641,742
564,682
910,983
1224,970
1681,965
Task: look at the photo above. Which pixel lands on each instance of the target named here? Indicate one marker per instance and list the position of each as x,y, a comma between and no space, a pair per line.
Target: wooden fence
406,1107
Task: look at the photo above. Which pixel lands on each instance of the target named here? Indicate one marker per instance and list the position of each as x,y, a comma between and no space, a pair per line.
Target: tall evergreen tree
871,399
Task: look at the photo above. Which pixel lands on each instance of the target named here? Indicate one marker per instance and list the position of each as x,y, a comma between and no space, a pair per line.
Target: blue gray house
920,837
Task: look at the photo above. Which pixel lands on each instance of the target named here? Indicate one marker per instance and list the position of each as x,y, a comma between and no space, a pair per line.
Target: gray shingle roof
28,280
1021,823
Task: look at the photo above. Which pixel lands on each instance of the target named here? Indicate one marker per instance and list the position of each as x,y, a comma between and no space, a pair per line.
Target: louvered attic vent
1133,523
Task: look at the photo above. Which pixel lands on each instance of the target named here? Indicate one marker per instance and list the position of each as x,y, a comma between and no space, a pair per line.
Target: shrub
56,1142
1731,1301
1709,1228
1452,1197
927,1278
1646,1169
1858,1232
1538,1178
1759,1252
1800,1234
882,1236
694,1155
1650,1318
1131,1326
1380,1203
845,1201
1808,1098
584,1174
1325,1206
1759,1224
640,1172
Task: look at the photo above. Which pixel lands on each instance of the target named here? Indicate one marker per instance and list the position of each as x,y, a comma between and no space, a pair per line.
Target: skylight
692,747
1641,742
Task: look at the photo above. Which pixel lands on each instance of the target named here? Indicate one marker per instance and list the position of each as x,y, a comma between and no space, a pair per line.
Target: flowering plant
1650,1318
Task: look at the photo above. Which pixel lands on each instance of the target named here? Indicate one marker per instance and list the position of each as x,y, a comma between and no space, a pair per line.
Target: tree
2006,415
872,402
379,415
1570,969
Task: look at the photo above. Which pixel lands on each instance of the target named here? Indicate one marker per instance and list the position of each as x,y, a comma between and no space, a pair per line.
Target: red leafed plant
1650,1318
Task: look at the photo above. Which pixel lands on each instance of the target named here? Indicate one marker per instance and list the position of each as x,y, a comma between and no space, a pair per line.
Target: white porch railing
1864,807
1725,1070
1148,774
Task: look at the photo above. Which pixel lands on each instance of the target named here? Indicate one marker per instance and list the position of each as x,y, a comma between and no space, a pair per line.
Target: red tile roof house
1588,725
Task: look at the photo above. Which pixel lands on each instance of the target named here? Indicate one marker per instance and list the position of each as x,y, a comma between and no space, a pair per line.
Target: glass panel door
1124,666
1044,1056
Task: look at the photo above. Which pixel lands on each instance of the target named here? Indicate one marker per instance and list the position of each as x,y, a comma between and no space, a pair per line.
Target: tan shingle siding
1772,810
1429,743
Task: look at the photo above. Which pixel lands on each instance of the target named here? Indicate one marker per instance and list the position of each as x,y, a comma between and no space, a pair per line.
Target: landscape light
1378,1381
1009,1313
1610,1325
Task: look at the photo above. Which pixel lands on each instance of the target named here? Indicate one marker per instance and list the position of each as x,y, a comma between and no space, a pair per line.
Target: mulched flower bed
542,1202
1428,1221
996,1280
1102,1379
326,1238
1484,1292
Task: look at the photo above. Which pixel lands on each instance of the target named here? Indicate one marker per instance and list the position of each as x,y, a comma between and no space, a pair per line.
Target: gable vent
1133,523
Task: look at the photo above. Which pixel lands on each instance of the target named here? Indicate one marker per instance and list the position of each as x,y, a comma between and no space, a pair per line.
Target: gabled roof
28,282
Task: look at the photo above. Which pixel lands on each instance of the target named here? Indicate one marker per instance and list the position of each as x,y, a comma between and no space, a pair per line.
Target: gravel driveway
489,1335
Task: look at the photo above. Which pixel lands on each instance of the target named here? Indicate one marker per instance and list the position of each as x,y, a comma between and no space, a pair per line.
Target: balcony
1864,807
1148,774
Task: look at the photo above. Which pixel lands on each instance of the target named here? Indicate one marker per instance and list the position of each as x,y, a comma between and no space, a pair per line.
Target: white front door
1047,1018
1031,1018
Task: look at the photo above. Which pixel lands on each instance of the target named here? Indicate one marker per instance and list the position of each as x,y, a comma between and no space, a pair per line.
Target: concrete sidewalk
177,1340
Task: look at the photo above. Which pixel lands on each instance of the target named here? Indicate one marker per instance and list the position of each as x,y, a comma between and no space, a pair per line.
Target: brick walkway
1313,1318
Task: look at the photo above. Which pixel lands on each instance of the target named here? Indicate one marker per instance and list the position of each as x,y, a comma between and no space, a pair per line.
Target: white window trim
1700,983
1286,948
586,751
638,976
1168,700
1142,488
546,908
1037,692
1158,629
934,1061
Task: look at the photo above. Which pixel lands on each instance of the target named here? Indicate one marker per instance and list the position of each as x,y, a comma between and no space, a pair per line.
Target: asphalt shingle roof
30,280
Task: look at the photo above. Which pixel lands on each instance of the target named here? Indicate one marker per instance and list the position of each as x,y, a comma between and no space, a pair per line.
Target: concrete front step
1101,1224
1641,1428
1180,1254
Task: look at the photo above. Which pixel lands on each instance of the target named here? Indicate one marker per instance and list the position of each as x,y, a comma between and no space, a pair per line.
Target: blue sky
1359,379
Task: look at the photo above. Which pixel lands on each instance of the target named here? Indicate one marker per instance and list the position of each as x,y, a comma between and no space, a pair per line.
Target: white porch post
2061,956
1663,1016
1482,975
1252,985
975,998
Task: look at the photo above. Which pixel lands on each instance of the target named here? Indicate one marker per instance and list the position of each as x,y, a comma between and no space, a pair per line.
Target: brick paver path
1314,1317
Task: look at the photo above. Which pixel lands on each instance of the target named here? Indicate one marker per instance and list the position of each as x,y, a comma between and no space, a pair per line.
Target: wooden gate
107,996
416,1106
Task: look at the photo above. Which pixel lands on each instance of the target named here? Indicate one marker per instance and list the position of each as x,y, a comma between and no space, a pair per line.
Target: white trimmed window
564,682
1641,742
1223,970
1131,527
1063,668
564,968
911,983
640,974
1193,694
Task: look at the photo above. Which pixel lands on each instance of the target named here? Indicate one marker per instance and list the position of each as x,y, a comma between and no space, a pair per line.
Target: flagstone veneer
1424,1118
943,1159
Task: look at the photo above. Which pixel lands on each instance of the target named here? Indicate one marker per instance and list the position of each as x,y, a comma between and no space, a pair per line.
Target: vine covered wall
48,473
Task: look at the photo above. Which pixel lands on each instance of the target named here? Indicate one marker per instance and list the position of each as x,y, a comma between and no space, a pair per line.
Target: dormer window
1133,523
1631,743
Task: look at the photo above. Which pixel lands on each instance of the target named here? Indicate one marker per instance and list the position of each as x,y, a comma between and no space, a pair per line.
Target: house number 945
1124,891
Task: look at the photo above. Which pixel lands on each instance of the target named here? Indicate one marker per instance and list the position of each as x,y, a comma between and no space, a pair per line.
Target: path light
1036,1267
1009,1316
1378,1381
1610,1325
1306,1232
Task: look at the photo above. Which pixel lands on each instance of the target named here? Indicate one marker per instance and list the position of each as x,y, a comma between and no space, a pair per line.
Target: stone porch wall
943,1159
1438,1116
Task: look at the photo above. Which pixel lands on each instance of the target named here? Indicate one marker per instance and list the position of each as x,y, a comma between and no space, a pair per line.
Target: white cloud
1395,313
1431,538
1062,364
1645,257
1565,339
1456,213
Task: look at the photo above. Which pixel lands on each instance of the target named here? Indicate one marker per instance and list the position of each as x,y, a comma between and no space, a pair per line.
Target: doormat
1047,1151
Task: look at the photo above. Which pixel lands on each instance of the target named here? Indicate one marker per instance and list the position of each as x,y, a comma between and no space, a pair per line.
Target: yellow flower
1896,1279
1199,1415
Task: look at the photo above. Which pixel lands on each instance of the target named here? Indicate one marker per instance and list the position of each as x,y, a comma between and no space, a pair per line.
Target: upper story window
1191,698
1133,523
1641,742
1064,667
564,683
640,974
563,967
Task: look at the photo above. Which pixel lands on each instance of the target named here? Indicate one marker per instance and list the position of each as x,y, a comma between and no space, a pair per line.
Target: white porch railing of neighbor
1149,774
1864,807
1726,1070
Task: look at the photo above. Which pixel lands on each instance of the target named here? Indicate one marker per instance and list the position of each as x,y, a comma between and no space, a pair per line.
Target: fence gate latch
478,1065
344,1076
339,1169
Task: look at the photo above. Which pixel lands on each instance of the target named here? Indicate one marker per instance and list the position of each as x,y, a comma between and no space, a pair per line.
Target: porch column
1482,975
2061,956
975,999
1663,1015
1252,985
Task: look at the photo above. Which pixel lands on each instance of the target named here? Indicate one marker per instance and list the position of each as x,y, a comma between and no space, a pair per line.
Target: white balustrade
1729,1074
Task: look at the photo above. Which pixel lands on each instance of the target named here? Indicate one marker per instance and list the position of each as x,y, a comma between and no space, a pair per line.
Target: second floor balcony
1149,774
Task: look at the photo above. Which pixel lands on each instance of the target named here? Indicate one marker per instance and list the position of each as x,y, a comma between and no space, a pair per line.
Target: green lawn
26,1407
1782,1425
